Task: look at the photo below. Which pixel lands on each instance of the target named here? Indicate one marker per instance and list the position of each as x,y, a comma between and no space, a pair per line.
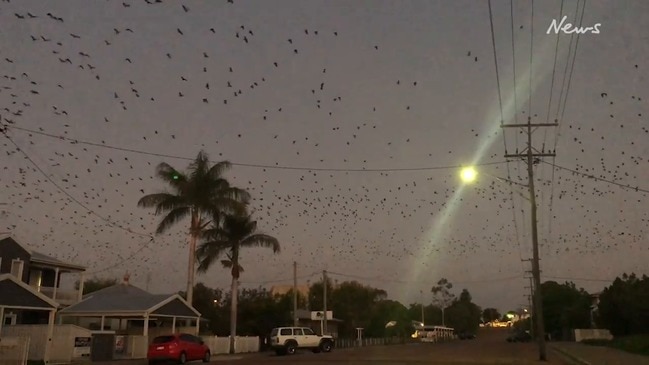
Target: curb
572,357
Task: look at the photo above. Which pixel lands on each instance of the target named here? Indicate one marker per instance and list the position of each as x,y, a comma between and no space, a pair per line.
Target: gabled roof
126,299
16,294
45,259
42,258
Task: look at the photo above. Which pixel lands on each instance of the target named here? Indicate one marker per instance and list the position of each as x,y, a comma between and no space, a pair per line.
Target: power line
554,69
276,166
565,99
547,120
130,257
61,189
518,161
281,280
638,189
500,102
579,279
419,281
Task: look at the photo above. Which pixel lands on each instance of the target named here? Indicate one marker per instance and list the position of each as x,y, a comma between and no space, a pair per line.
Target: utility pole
295,294
532,156
324,297
422,307
529,299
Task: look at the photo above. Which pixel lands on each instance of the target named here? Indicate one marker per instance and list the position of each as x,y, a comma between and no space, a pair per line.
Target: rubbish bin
102,347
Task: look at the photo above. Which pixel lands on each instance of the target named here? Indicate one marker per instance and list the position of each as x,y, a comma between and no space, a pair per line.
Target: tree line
622,307
355,304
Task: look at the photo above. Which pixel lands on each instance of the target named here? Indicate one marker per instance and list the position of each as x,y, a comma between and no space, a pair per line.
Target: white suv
286,340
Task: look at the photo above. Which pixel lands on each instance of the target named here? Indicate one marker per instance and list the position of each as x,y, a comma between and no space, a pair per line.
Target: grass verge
636,344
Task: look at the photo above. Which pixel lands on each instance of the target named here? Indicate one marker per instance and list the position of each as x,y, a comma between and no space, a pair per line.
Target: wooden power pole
324,297
532,156
295,321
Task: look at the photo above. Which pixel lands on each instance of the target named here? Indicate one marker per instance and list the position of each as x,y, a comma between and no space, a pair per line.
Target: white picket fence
14,350
221,345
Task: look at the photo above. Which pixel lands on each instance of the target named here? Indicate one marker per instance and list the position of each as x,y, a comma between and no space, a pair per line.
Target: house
130,318
41,272
17,297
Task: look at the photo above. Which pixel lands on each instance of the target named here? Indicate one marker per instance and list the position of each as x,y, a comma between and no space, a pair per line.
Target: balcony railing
65,297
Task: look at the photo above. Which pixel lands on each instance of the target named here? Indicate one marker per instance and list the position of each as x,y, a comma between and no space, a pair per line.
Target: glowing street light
468,174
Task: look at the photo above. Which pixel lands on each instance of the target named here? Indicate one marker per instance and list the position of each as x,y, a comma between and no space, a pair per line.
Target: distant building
594,305
315,321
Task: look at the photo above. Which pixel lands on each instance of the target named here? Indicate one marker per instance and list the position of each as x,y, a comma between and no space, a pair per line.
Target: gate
14,350
102,347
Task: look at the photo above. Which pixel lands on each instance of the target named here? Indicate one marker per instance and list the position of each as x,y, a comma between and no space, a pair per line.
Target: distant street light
468,174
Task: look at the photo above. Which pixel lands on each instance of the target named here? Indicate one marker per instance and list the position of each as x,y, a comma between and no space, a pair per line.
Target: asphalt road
489,348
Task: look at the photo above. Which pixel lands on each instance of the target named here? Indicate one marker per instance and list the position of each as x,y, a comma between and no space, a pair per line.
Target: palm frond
167,173
261,240
151,200
214,233
218,169
233,193
174,216
210,251
199,166
226,263
228,206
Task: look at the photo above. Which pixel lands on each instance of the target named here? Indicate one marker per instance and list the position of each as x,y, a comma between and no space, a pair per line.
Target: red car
179,347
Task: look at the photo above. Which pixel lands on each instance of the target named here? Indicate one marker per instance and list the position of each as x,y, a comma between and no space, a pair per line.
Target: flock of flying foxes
82,109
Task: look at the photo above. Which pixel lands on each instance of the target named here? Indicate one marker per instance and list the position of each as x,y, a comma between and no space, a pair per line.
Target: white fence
62,349
221,345
14,350
592,334
378,341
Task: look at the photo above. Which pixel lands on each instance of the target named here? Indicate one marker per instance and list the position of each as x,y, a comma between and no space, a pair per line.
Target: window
308,332
10,319
17,268
286,332
163,339
187,338
297,332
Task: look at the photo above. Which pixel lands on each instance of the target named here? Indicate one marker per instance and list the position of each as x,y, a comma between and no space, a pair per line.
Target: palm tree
199,193
228,238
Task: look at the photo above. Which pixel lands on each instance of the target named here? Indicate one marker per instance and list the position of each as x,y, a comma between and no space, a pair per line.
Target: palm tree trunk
233,311
191,268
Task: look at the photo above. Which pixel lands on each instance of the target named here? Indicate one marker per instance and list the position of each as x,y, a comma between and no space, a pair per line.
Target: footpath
597,355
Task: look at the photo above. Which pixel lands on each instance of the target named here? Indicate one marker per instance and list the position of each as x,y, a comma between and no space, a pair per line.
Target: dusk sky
347,121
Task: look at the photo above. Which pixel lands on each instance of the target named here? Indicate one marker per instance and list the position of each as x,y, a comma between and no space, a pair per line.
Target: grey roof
115,299
16,294
41,257
45,259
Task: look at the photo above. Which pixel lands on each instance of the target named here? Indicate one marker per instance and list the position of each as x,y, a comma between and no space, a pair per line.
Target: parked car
520,336
181,347
287,340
